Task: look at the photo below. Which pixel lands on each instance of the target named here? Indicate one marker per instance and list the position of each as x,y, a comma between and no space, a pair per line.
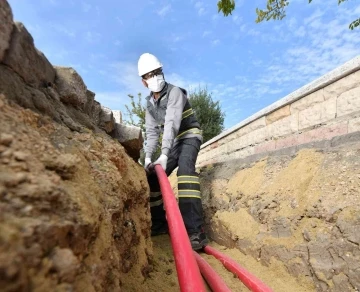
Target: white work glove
147,163
162,160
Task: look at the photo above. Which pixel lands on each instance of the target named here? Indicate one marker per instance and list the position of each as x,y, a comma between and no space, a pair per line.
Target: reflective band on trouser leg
189,186
155,199
156,203
155,194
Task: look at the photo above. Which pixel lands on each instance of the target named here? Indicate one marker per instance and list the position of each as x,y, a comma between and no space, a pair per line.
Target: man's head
150,71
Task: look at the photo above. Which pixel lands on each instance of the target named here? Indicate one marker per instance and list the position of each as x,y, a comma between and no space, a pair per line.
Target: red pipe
187,270
212,278
248,279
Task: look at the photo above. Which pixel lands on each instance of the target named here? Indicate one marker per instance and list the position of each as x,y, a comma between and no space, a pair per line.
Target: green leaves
354,24
275,10
208,113
136,112
226,6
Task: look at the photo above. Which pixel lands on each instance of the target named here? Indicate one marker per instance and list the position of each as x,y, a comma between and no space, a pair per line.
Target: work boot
198,240
159,229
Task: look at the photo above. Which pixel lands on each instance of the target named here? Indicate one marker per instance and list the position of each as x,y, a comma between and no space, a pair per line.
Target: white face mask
156,83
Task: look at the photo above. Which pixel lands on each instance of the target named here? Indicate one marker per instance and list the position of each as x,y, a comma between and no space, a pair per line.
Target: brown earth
74,213
276,276
73,208
300,211
74,217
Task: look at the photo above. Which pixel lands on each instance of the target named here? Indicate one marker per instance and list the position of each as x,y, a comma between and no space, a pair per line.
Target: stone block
26,60
205,149
71,87
214,145
348,102
216,151
244,153
232,146
345,84
95,112
278,114
354,125
89,105
317,114
257,136
265,147
205,157
307,101
290,141
228,138
6,27
131,138
222,149
257,124
285,126
107,121
117,116
323,133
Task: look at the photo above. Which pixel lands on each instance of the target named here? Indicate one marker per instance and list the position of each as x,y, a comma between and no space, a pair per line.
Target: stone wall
28,79
327,107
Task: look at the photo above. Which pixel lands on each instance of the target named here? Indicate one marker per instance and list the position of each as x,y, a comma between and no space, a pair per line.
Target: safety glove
149,166
162,160
147,162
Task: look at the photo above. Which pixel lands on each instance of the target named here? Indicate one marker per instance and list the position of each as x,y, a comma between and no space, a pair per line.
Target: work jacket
171,114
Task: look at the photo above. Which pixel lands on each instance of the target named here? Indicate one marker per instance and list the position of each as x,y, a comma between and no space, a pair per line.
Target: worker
169,112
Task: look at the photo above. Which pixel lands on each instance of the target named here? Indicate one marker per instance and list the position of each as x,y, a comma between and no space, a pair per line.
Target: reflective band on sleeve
156,203
187,113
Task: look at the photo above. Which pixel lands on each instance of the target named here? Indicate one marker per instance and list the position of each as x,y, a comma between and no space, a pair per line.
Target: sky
246,66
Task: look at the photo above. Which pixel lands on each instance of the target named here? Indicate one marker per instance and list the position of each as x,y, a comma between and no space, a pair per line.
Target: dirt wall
300,209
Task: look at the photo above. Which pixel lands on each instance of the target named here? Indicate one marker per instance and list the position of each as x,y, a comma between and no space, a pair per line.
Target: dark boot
198,240
159,228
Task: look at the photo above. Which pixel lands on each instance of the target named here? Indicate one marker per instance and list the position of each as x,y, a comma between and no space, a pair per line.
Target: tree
136,113
208,113
275,9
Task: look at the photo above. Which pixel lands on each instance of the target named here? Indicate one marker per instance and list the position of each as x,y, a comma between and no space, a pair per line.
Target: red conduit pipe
248,279
212,278
187,270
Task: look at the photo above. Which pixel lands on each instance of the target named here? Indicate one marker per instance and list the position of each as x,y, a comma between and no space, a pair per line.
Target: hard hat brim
155,68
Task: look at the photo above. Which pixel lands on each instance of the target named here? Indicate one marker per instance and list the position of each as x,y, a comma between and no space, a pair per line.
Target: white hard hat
147,63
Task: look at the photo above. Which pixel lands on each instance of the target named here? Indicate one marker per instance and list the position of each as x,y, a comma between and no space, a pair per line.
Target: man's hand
162,160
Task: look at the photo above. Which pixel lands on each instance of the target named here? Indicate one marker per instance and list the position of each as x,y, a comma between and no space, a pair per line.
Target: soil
75,215
74,211
276,276
298,211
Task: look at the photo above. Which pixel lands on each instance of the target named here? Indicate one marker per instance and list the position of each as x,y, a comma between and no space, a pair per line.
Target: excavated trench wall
74,212
284,184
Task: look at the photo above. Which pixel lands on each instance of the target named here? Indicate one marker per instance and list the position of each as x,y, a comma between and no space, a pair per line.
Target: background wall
327,107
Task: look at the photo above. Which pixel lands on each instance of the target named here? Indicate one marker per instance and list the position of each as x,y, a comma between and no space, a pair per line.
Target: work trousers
183,155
